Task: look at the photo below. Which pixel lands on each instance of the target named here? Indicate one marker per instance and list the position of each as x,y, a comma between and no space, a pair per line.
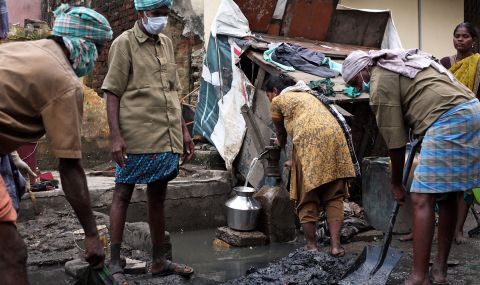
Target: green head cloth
146,5
81,22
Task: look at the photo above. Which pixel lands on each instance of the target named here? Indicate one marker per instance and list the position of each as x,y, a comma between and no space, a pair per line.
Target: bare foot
439,274
407,237
412,280
311,247
337,251
459,238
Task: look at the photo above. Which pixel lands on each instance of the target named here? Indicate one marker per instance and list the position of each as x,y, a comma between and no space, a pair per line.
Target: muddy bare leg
462,213
118,214
445,235
423,228
310,237
156,193
335,244
335,216
13,256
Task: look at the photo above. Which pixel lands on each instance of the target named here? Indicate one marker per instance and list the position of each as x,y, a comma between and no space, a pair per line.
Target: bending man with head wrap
411,91
147,131
40,93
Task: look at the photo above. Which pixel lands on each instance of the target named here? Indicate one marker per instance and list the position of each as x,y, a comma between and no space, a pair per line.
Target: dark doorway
472,15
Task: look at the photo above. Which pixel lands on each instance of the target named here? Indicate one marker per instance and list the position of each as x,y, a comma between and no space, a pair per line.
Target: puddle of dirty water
212,265
220,265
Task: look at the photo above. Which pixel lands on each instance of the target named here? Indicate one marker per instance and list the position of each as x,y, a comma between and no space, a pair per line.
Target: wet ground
50,244
299,267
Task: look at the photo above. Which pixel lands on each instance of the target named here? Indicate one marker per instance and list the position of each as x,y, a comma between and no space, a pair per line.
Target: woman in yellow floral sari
465,66
321,159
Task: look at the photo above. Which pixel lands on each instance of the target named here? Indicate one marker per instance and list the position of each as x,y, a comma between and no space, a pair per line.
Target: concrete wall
210,10
19,10
193,202
438,19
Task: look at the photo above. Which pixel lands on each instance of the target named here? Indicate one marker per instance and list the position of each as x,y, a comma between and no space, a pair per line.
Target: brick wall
122,16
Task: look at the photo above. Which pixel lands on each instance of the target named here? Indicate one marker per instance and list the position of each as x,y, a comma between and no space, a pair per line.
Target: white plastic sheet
224,116
230,21
279,9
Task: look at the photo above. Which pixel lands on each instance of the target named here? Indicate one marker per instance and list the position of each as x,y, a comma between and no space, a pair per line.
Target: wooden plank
339,97
333,50
252,125
342,111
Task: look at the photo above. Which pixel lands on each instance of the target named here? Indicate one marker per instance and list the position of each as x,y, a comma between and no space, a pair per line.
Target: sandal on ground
174,268
341,253
118,275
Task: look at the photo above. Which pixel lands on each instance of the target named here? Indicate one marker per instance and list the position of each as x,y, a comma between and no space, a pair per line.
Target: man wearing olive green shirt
410,90
147,131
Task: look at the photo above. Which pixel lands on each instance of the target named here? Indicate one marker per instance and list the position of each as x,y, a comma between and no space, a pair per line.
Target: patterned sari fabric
148,168
450,155
320,149
467,72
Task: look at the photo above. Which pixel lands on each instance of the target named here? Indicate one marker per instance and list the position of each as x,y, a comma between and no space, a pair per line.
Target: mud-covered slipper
118,275
174,268
341,253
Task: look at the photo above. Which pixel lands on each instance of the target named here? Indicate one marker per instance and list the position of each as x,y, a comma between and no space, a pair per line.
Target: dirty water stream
212,264
274,264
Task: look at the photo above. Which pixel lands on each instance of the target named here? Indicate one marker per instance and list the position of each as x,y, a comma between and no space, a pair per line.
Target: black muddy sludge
299,267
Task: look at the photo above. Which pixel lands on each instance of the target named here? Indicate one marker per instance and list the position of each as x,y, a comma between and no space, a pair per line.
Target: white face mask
155,25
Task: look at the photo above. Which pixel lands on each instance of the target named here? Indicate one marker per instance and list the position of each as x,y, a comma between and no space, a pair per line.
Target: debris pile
353,224
50,239
32,30
94,124
299,267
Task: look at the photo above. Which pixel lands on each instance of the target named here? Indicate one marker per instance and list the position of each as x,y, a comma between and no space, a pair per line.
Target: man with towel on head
409,90
40,93
147,132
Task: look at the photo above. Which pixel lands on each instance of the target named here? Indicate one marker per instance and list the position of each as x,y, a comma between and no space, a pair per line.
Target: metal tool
374,264
475,231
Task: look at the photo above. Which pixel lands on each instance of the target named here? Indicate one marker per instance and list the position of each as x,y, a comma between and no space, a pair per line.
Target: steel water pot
243,210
